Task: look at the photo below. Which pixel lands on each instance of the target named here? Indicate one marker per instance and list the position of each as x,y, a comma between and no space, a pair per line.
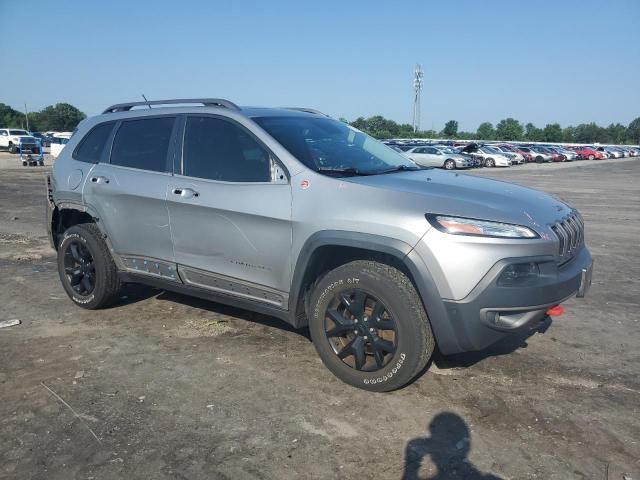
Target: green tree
10,117
61,117
633,131
467,135
552,133
569,134
509,129
486,131
589,133
533,133
615,133
450,129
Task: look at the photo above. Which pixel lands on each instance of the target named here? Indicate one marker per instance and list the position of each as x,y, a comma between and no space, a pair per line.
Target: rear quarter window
92,146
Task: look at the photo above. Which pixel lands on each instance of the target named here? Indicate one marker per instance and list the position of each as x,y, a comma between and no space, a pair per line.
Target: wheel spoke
347,349
75,253
355,305
342,325
379,356
359,353
382,345
74,277
356,348
86,283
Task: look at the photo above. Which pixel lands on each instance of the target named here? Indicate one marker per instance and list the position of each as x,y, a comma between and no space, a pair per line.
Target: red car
588,153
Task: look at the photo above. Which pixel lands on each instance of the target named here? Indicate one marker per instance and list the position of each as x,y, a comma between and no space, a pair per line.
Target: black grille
570,233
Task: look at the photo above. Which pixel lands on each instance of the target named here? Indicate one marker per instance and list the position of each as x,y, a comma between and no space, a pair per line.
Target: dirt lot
164,386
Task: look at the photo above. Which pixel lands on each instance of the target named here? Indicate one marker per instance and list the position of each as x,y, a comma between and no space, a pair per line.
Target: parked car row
17,140
451,154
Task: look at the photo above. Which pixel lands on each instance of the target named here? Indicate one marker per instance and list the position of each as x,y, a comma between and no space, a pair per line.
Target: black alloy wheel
360,330
79,268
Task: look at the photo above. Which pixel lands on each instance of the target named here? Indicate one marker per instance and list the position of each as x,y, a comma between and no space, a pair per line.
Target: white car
516,158
492,157
441,157
14,139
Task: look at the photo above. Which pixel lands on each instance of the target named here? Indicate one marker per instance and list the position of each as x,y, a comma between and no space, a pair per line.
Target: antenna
417,88
145,99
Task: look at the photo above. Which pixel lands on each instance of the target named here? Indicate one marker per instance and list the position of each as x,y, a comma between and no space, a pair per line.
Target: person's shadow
448,445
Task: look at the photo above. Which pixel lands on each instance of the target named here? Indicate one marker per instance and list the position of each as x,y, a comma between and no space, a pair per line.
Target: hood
470,196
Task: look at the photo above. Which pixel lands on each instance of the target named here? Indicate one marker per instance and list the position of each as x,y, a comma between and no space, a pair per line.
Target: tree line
65,117
508,129
61,117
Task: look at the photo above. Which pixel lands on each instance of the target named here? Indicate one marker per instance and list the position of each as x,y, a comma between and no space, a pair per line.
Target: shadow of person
448,445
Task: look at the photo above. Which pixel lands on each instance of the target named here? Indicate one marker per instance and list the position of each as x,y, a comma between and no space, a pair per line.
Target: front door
230,217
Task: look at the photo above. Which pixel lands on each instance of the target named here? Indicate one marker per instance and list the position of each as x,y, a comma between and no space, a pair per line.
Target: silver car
438,156
299,216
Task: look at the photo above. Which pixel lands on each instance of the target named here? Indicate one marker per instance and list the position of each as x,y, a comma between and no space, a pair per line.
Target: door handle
99,179
185,192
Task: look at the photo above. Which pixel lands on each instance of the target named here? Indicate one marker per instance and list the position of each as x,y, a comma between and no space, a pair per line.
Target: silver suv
293,214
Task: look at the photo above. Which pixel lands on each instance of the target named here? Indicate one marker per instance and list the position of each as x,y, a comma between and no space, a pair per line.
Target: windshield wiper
342,171
399,168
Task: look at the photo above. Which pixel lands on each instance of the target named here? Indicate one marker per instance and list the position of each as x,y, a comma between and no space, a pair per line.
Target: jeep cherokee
290,213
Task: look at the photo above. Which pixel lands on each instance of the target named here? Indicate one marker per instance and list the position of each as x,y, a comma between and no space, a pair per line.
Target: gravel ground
164,386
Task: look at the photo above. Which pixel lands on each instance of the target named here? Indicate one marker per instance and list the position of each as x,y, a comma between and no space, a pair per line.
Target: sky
538,61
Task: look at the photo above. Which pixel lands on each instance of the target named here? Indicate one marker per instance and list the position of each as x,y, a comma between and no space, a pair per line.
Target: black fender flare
446,337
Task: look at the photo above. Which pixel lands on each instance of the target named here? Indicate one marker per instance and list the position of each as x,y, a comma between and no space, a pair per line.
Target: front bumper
492,311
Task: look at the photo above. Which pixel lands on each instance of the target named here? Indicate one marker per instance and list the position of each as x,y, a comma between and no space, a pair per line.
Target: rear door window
92,146
143,143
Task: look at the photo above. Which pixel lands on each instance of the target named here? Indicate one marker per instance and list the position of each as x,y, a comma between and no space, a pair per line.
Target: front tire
12,148
369,326
450,165
490,162
86,268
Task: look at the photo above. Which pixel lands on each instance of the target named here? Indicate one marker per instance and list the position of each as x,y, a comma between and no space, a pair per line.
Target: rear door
433,157
230,215
128,192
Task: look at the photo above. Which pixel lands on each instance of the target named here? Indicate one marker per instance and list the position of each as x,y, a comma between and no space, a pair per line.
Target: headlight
484,228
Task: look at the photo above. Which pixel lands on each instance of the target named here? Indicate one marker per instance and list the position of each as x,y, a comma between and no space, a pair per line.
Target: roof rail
306,110
207,102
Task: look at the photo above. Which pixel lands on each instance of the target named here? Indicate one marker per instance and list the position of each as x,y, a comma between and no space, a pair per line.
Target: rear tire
381,338
86,268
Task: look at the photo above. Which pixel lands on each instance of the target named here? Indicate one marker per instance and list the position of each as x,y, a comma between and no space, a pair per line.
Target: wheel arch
65,215
326,250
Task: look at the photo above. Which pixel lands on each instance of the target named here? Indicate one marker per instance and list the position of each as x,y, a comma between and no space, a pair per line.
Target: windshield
18,132
491,149
324,144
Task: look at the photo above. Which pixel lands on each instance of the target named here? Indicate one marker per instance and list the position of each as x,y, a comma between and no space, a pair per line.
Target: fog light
518,273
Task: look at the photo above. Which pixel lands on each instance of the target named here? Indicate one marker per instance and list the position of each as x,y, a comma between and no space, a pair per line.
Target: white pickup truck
14,139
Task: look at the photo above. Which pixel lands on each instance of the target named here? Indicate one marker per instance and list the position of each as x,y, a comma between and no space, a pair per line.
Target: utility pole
417,88
26,115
